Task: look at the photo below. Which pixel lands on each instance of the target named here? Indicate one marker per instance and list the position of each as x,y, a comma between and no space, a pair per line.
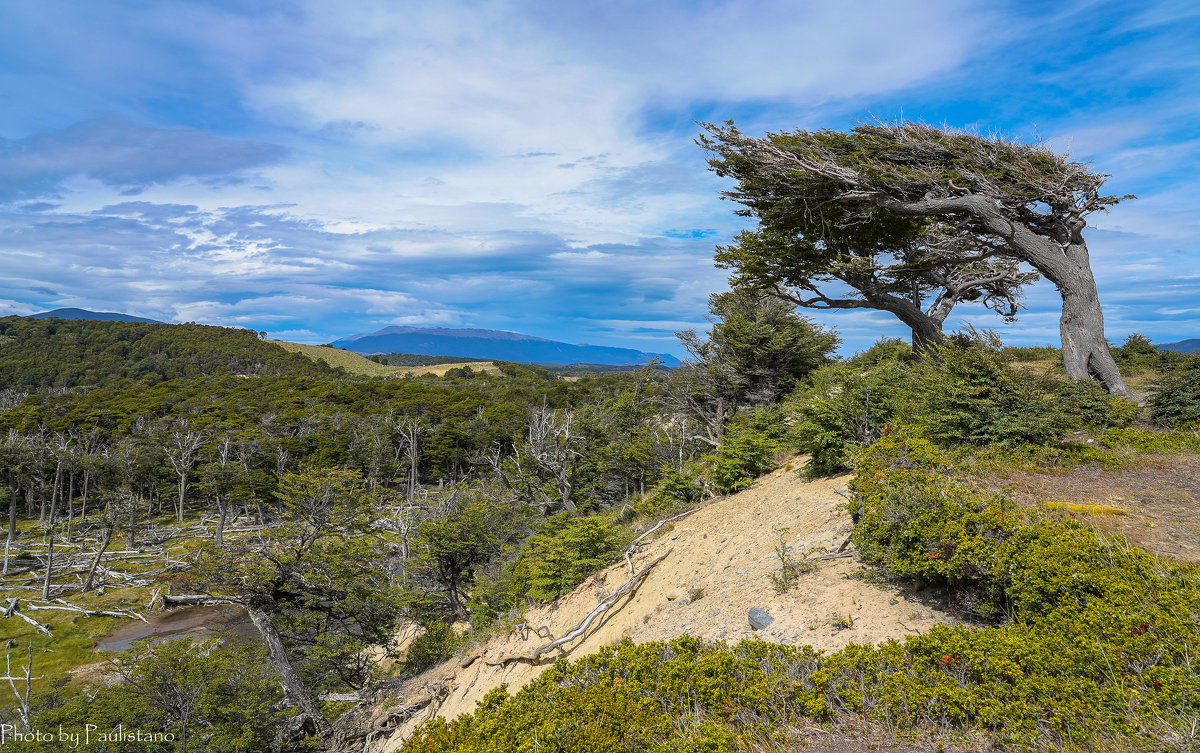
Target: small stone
759,619
820,577
672,594
893,602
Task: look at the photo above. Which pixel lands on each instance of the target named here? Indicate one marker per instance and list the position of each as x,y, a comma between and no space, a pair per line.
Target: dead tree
182,448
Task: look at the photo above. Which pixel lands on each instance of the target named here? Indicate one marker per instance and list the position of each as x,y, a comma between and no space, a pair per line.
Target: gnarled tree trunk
294,691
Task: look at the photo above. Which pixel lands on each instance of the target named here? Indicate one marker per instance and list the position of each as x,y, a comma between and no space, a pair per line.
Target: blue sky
318,169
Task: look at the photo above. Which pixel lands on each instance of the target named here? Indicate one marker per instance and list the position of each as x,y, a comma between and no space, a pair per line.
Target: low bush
551,563
438,643
845,408
747,450
1175,398
966,391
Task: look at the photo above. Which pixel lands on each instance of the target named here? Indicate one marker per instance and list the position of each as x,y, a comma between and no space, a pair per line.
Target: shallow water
224,621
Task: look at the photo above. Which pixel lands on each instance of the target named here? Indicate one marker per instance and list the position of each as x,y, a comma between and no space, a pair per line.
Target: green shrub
551,563
1093,407
1149,441
438,643
676,489
566,552
747,450
844,409
1137,352
885,350
1175,398
969,392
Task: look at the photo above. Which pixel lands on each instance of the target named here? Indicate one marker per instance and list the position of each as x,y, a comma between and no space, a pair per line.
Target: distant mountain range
492,345
1183,346
95,316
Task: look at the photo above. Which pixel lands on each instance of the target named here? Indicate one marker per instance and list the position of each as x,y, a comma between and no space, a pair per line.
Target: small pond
224,621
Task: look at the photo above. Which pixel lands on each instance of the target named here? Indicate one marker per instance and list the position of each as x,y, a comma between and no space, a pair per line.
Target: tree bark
293,689
12,516
182,491
1063,260
1084,348
87,584
222,511
49,567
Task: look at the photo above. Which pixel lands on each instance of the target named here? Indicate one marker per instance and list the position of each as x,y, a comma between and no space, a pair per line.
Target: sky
318,169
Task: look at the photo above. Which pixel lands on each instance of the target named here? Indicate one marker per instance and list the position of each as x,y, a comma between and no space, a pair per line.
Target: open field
356,364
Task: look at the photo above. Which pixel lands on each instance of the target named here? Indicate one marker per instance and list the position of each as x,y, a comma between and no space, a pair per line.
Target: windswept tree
900,186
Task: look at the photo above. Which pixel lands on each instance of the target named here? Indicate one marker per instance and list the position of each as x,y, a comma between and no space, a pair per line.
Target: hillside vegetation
334,509
36,353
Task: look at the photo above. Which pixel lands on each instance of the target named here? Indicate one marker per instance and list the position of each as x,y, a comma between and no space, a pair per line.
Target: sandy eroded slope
726,551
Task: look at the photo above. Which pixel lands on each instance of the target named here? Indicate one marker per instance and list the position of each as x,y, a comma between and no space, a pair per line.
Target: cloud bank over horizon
317,170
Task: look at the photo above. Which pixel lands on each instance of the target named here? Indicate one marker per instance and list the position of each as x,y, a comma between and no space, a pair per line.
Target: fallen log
181,600
65,606
630,549
626,589
14,610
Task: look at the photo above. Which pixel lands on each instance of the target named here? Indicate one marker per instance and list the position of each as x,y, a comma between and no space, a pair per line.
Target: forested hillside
74,352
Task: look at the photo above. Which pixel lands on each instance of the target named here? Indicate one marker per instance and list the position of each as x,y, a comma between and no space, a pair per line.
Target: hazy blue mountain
1184,346
490,344
101,316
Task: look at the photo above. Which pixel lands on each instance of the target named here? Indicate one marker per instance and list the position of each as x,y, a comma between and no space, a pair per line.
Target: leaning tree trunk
1084,348
293,689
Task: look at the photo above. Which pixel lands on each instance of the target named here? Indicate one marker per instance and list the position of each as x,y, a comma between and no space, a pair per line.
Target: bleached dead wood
13,609
180,600
629,551
65,606
626,589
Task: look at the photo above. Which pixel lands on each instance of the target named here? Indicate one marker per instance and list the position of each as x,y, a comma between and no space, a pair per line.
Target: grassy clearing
338,358
356,364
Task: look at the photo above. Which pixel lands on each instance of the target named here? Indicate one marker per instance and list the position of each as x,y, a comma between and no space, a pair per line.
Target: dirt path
1159,500
726,552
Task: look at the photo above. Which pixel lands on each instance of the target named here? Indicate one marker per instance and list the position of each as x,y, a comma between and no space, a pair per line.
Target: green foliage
1137,352
969,392
885,350
747,450
551,563
845,408
1175,398
763,346
566,551
676,488
474,529
1150,441
312,573
438,643
222,698
67,353
1092,407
